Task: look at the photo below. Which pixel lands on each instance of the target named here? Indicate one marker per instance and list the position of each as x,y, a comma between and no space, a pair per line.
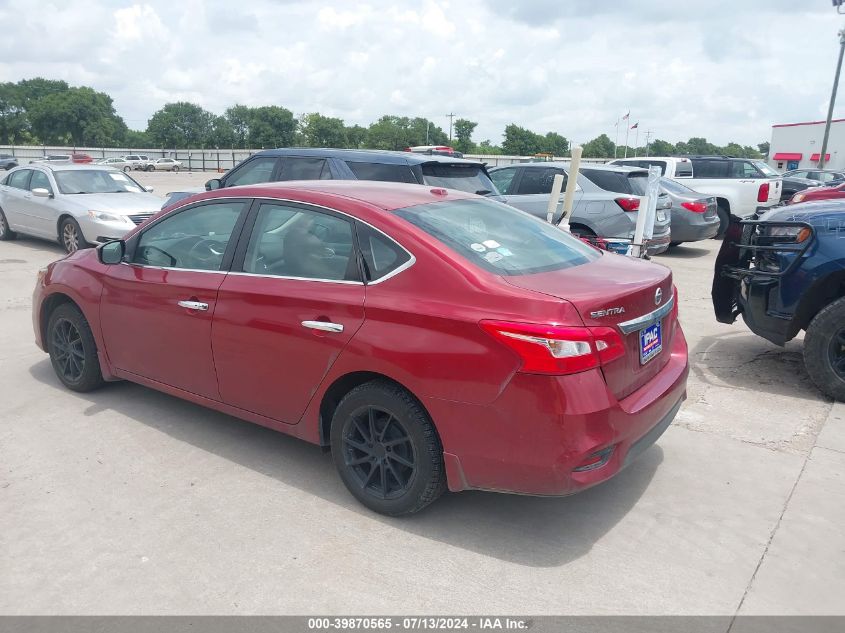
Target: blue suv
785,272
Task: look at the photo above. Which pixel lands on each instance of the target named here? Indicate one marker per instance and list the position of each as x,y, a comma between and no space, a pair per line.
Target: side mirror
41,192
149,189
213,184
111,252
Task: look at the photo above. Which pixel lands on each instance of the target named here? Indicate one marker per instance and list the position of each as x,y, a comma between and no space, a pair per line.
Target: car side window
195,238
503,179
293,241
252,172
39,180
538,181
304,168
381,254
824,176
711,168
742,169
19,179
381,172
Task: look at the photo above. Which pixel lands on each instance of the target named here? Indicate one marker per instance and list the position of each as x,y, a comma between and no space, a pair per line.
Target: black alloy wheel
72,348
66,343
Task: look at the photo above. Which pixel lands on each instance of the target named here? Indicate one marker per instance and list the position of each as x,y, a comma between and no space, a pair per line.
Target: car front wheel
386,449
127,169
824,350
73,351
71,236
5,232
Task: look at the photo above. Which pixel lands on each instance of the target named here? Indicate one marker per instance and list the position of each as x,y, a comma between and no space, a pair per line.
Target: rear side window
615,181
503,179
711,168
381,172
381,254
683,169
303,168
538,180
499,238
460,176
19,179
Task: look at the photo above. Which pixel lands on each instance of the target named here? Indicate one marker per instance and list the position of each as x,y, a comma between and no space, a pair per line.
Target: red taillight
763,193
556,349
696,206
628,204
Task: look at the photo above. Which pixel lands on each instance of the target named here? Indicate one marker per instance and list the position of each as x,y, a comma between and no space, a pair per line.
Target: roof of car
366,155
67,166
384,195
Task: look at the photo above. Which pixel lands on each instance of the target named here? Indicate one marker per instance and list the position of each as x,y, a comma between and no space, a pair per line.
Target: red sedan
819,193
430,338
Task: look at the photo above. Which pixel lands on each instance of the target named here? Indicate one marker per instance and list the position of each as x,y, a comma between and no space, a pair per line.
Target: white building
798,145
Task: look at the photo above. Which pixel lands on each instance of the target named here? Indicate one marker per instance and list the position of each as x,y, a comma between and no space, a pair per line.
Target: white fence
212,159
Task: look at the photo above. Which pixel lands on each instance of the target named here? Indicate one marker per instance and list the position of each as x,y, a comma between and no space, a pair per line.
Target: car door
15,196
253,171
156,307
43,214
534,188
505,180
293,300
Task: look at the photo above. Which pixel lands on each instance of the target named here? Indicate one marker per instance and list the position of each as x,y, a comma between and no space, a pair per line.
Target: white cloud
573,67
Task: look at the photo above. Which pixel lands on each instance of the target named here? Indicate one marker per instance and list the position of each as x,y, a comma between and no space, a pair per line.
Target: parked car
78,205
54,158
7,161
832,192
139,162
824,176
607,199
443,150
784,273
81,159
794,184
166,164
452,341
353,164
694,215
741,186
116,163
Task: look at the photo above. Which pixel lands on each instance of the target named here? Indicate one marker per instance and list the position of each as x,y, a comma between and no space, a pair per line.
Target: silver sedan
78,205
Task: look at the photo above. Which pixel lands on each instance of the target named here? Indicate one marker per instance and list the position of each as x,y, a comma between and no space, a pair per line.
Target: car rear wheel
127,169
824,350
175,168
73,351
5,232
150,167
386,449
70,236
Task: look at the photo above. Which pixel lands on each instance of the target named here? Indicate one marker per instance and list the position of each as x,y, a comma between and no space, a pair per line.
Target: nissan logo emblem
658,296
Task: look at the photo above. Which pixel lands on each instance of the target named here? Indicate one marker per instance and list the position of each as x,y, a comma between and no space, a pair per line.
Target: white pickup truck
741,186
140,162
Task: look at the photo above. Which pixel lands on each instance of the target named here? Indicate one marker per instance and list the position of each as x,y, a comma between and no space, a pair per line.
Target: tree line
52,112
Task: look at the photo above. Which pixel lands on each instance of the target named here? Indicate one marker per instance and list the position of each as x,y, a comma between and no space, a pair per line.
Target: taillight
696,206
763,193
556,349
628,204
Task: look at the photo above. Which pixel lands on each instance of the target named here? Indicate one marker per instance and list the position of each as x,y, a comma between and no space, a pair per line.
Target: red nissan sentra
430,338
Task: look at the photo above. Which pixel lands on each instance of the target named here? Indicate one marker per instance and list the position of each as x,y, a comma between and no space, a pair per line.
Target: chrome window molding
271,276
186,270
647,319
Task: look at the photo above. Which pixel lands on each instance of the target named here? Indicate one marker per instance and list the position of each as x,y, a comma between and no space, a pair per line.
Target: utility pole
647,138
832,99
451,116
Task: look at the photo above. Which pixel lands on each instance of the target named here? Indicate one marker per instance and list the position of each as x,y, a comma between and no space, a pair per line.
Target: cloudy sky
723,69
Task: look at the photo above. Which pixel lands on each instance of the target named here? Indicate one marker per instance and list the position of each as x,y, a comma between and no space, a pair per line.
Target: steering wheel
206,251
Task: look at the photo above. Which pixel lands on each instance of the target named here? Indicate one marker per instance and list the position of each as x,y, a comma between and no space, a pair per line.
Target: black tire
70,236
6,233
73,351
150,168
127,169
175,168
674,244
724,220
404,448
824,349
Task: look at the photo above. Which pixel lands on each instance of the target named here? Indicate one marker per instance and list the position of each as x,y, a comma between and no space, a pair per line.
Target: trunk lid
598,291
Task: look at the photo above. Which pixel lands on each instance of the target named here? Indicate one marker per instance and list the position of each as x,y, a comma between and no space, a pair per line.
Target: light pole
451,116
832,98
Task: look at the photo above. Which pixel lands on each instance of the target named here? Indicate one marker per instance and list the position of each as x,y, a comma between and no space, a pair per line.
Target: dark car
824,176
694,215
7,162
785,273
794,184
430,338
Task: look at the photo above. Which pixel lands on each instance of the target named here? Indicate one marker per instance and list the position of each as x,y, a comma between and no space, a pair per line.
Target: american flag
627,115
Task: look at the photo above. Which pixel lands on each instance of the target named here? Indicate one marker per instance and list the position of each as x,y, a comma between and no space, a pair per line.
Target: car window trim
228,255
238,260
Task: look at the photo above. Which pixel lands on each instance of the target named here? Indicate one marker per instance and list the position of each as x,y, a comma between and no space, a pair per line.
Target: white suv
741,186
139,161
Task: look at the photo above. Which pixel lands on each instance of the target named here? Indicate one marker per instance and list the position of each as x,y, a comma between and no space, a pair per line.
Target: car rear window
499,238
381,172
460,176
631,183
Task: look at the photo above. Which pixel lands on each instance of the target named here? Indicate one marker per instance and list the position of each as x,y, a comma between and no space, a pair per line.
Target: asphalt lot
129,501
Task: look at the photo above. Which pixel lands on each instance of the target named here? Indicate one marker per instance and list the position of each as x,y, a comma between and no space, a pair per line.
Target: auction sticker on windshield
651,342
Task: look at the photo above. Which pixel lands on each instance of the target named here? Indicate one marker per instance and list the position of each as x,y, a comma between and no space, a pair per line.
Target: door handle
323,326
194,305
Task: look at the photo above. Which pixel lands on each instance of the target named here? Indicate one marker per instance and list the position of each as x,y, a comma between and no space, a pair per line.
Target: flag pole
637,139
627,132
616,143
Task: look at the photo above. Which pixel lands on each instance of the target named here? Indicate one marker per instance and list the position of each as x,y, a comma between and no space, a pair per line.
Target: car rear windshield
95,181
683,169
499,238
631,183
460,176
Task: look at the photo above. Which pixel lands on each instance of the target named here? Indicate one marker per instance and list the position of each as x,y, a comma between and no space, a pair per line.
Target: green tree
81,116
271,126
181,125
356,136
14,124
463,135
33,90
763,148
599,147
660,148
221,134
487,147
520,141
135,139
554,144
238,117
323,131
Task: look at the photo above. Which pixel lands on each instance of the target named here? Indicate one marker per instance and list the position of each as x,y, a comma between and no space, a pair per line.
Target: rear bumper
658,244
542,435
692,227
